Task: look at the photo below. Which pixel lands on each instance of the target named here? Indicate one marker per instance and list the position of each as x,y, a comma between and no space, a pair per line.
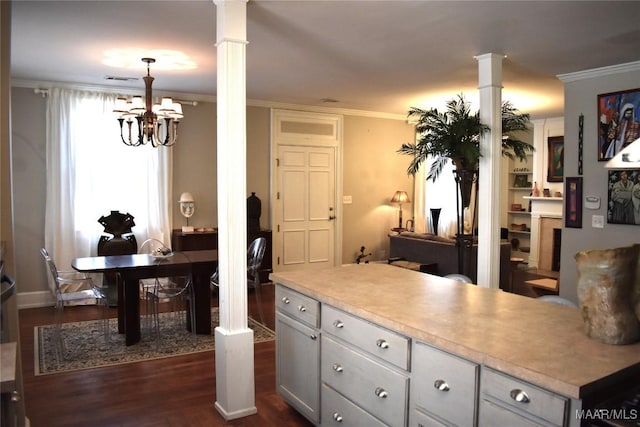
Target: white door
306,203
305,181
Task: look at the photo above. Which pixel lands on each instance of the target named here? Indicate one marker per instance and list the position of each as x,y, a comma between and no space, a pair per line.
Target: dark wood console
203,240
193,241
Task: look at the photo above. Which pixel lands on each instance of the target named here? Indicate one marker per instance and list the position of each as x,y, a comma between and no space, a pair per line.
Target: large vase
465,178
607,287
435,216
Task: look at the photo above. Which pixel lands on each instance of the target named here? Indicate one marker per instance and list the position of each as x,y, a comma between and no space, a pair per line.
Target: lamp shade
400,197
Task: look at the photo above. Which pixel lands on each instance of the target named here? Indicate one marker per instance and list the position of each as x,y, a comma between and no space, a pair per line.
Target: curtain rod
45,92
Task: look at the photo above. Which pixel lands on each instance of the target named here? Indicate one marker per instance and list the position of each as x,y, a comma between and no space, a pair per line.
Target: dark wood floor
176,391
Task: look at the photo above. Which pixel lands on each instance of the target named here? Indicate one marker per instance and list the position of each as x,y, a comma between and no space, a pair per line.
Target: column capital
490,69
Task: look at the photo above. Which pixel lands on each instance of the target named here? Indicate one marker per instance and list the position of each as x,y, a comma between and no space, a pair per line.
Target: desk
132,268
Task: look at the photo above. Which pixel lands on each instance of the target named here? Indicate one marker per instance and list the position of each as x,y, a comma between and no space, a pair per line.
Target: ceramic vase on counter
608,294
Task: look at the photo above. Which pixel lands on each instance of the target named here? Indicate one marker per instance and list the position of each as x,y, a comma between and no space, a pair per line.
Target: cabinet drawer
444,385
339,411
420,419
524,397
298,306
494,415
376,388
381,342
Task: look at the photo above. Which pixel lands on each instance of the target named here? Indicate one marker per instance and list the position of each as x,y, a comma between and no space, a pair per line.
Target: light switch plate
347,200
597,221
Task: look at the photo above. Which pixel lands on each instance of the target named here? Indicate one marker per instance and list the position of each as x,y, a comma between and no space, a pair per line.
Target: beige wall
195,158
194,165
372,173
29,187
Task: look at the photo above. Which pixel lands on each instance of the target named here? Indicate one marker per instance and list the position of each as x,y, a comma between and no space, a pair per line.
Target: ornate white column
490,89
235,385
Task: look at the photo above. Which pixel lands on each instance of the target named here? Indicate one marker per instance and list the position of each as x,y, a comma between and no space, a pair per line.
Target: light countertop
536,341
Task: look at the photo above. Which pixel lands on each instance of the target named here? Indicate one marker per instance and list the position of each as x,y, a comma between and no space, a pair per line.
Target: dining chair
158,250
255,254
83,290
177,291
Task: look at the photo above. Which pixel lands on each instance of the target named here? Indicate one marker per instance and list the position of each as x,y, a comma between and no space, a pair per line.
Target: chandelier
157,123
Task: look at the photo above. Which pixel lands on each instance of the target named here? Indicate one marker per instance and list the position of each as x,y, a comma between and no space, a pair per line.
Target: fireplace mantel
543,209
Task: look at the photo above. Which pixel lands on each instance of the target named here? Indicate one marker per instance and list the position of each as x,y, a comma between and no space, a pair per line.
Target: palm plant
455,134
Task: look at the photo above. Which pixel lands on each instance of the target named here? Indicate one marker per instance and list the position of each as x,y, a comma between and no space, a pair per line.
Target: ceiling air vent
121,79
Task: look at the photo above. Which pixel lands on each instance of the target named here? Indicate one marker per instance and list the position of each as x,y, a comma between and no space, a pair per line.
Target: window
90,172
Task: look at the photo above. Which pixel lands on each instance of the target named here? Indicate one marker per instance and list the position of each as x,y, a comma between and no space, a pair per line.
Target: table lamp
400,197
187,207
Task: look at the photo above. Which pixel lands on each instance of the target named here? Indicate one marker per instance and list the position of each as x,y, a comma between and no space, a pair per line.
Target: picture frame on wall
521,181
555,168
573,202
618,123
623,196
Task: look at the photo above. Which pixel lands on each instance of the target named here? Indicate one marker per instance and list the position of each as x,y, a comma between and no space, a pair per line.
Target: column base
235,383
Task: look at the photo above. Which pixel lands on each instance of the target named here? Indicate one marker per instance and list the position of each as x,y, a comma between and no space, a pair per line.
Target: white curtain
90,172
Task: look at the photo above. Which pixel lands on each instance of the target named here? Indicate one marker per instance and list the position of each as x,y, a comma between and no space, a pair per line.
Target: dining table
130,269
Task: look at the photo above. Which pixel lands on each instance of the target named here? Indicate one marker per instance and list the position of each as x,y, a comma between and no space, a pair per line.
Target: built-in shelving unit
519,188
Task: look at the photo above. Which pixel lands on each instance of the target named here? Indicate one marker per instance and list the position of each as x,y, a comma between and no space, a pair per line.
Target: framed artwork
573,202
555,169
624,197
617,121
520,181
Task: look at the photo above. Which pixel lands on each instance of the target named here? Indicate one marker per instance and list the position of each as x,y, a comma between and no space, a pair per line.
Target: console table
204,240
193,241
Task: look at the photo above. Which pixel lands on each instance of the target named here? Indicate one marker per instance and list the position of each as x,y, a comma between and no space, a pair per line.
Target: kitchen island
509,358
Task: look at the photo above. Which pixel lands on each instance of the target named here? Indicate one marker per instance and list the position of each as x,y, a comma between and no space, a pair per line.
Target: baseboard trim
34,299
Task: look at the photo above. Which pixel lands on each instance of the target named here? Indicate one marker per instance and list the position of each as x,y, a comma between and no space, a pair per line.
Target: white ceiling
382,56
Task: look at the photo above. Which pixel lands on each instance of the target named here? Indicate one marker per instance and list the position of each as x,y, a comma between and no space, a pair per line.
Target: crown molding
44,85
600,72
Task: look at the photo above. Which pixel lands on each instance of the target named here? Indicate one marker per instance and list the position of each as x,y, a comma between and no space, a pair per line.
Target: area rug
85,347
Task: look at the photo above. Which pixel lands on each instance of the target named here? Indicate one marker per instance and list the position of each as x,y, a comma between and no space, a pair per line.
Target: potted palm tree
455,134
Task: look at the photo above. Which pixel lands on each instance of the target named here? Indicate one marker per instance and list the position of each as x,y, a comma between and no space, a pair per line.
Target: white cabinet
443,387
298,352
366,364
339,369
520,183
505,400
337,410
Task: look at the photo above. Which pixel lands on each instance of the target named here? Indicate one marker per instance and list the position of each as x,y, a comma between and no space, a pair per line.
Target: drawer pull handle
381,393
337,417
313,337
337,368
382,343
520,396
302,308
285,300
338,324
441,385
